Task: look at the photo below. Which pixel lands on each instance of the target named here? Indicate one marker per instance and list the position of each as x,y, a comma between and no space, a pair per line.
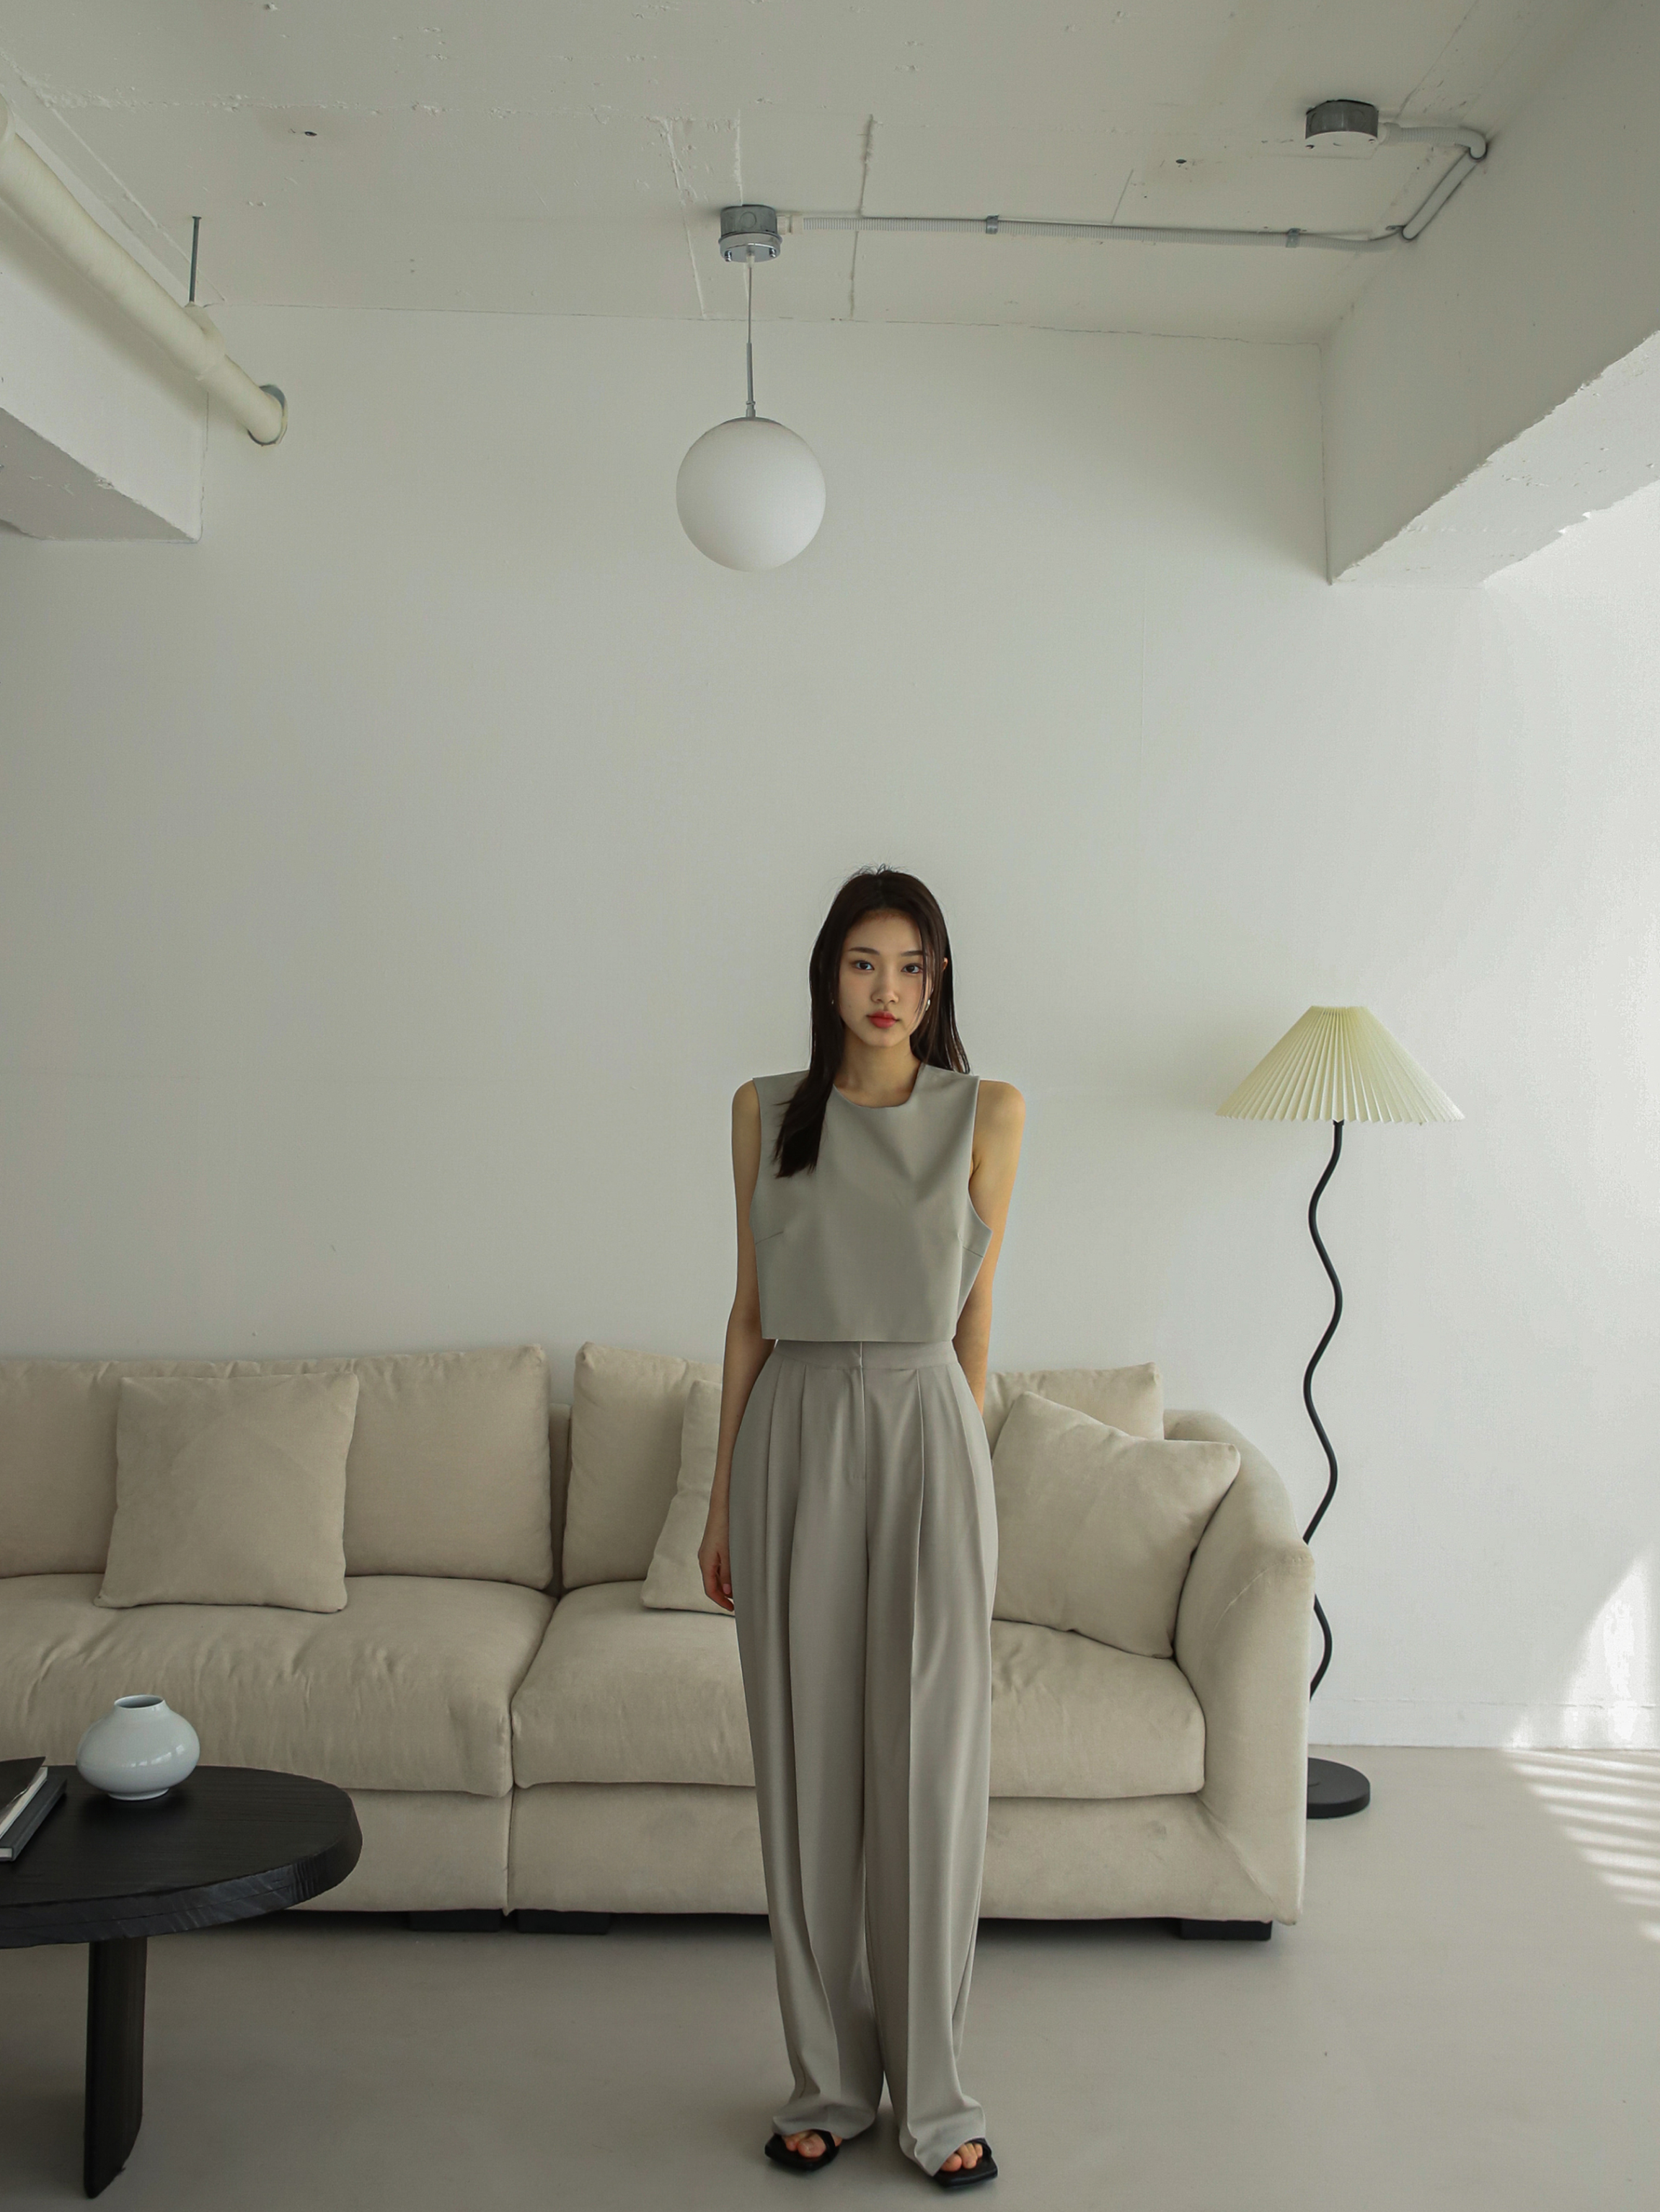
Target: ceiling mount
1342,126
749,233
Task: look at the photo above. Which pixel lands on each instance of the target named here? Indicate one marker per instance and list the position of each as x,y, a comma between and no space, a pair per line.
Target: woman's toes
811,2145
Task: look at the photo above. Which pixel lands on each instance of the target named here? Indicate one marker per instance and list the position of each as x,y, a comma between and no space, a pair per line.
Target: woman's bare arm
747,1350
999,1118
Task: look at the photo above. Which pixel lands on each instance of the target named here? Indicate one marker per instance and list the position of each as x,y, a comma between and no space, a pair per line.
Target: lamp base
1335,1791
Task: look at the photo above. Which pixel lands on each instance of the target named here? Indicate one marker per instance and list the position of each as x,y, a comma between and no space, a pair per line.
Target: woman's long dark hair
934,1040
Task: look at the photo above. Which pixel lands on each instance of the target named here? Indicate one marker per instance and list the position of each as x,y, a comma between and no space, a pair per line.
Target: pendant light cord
749,338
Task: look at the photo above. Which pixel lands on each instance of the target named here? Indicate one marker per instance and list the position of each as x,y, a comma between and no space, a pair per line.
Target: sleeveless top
880,1241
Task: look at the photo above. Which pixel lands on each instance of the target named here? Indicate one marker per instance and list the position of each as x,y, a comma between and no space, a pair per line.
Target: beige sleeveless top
880,1241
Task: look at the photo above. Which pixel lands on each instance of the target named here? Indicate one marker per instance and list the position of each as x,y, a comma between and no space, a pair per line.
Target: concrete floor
1466,2017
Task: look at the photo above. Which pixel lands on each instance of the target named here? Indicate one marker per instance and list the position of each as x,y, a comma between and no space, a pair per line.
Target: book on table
19,1780
29,1790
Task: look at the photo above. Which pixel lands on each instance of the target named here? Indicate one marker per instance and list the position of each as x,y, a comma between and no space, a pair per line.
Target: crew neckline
898,1104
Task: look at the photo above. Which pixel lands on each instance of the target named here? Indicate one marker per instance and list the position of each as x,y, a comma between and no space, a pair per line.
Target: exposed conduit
185,335
1473,150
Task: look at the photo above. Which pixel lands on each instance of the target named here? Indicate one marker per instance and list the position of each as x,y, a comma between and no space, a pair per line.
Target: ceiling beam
1473,401
101,437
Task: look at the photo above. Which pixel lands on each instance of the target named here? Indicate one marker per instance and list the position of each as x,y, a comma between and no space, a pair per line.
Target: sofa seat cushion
407,1688
621,1693
1074,1718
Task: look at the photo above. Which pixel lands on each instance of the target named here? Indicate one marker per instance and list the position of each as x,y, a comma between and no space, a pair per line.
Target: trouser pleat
864,1559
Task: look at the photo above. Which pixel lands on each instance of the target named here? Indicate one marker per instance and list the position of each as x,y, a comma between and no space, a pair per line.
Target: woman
853,1522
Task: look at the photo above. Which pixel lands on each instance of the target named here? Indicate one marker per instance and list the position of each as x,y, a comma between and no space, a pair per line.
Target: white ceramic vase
139,1749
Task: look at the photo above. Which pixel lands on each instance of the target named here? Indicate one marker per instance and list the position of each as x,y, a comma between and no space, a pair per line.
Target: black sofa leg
562,1923
1225,1931
457,1923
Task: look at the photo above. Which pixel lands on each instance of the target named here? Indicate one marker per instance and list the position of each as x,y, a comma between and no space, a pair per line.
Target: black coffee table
230,1844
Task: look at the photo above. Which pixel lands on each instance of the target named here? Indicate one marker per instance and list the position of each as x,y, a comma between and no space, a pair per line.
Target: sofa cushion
448,1469
1096,1529
674,1580
407,1688
619,1694
627,1409
1074,1718
1128,1398
448,1473
626,1415
231,1490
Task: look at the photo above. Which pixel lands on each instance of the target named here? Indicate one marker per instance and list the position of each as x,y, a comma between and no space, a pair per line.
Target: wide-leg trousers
864,1559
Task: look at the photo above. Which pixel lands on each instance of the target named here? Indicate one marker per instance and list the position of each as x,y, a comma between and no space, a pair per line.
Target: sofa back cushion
448,1473
674,1581
1128,1398
626,1413
627,1410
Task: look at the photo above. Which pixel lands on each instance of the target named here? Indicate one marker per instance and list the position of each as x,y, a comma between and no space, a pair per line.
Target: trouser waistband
838,1351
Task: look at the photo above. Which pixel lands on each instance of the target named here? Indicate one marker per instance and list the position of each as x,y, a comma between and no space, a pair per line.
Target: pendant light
750,492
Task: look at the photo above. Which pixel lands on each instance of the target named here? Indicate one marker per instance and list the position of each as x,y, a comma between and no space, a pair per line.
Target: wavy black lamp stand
1338,1064
1335,1790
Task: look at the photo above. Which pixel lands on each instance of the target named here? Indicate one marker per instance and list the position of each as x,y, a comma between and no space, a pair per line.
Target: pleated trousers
864,1559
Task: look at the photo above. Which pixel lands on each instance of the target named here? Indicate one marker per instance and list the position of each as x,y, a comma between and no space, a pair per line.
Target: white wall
394,889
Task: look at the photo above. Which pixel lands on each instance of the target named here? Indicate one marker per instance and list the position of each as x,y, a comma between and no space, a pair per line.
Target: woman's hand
714,1560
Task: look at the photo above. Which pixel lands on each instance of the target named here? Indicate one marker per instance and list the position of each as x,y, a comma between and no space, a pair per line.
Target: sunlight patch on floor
1608,1806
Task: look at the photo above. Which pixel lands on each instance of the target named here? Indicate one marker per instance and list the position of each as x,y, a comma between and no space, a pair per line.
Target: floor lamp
1338,1064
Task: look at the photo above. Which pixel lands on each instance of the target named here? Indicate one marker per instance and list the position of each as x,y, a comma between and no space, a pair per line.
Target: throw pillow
1095,1529
231,1490
1128,1398
674,1581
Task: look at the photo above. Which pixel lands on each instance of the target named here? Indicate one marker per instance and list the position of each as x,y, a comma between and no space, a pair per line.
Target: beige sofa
516,1740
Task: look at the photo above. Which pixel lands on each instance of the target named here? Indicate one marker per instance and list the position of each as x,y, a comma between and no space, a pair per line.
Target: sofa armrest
1241,1639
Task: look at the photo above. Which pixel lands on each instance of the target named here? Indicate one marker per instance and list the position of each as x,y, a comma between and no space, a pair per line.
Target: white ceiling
569,158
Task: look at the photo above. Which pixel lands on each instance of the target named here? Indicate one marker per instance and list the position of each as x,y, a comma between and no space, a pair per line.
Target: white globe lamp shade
750,494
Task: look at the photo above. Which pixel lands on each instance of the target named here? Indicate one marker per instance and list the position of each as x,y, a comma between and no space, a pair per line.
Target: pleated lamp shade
1339,1064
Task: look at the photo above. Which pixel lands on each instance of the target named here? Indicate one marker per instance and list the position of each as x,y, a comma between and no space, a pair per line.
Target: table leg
115,2058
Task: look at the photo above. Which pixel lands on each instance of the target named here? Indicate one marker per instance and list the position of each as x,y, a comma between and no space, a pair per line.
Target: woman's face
881,986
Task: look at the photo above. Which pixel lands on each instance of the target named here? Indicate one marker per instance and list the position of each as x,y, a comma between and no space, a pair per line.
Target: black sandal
966,2176
798,2163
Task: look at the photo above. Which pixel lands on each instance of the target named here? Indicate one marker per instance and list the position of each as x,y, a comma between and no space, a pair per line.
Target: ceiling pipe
1434,134
1358,118
1127,233
1473,149
187,335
